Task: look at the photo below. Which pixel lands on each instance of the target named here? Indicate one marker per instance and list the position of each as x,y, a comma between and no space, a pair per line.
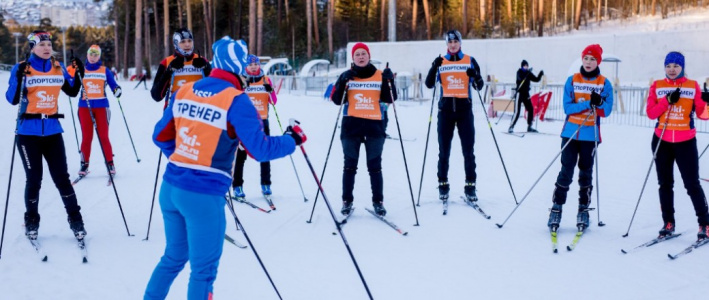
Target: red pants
102,116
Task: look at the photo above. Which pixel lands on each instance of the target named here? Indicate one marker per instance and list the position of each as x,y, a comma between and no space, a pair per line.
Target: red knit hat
594,50
360,46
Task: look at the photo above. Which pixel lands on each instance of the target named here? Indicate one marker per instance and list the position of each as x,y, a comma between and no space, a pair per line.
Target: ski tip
498,225
84,260
44,258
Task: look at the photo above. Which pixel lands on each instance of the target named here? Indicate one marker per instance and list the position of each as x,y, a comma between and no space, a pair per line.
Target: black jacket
433,72
526,76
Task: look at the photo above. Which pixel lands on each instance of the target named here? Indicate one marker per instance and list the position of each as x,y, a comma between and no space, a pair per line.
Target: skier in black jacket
456,72
524,76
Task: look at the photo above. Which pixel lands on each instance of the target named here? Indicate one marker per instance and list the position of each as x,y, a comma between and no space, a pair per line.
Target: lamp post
16,35
63,30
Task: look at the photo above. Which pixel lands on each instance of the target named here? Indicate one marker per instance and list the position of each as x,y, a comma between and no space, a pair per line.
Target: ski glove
347,75
596,99
118,92
705,93
21,71
437,62
199,62
673,97
268,87
541,73
177,63
472,73
79,65
294,131
387,74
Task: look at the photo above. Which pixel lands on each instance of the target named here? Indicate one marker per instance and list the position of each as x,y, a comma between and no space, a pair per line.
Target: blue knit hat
230,55
675,57
252,59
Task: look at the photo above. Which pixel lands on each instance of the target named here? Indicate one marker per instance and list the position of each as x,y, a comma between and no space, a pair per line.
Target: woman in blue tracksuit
199,133
39,133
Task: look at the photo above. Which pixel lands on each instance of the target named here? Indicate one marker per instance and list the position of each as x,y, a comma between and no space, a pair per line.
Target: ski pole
425,151
654,156
327,157
514,99
129,135
334,219
12,161
76,135
595,157
403,153
105,159
489,125
705,150
157,172
305,199
544,172
241,226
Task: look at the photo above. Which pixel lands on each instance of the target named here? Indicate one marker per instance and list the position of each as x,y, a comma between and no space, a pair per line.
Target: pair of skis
471,203
381,218
268,198
84,175
555,241
661,239
43,255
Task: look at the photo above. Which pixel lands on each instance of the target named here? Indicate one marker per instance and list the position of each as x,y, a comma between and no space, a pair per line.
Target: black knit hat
524,63
453,35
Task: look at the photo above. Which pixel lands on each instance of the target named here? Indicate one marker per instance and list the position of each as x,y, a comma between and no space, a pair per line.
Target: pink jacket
656,107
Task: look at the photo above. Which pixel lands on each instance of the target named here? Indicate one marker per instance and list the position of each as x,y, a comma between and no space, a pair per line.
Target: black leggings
241,159
685,154
523,99
32,149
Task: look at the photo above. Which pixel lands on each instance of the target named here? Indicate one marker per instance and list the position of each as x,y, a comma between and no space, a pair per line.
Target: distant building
64,13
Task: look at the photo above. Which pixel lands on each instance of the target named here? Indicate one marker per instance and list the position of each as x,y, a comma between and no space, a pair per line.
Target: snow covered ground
458,256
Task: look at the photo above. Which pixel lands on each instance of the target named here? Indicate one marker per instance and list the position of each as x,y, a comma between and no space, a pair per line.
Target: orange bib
363,97
582,92
43,90
454,78
259,97
95,83
680,114
200,121
186,74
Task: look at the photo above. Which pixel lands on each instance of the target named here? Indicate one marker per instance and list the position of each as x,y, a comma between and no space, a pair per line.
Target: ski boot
76,223
469,190
84,169
111,168
702,235
266,189
443,190
379,208
530,129
554,217
582,220
31,225
346,207
668,229
239,192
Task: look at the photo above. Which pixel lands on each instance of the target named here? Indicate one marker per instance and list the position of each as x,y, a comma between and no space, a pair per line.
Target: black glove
596,99
118,92
347,75
21,71
199,62
705,94
387,74
541,73
177,63
79,65
296,133
673,97
437,62
472,73
268,87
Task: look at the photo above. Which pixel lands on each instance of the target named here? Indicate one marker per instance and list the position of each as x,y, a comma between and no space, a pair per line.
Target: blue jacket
586,133
37,127
97,103
245,127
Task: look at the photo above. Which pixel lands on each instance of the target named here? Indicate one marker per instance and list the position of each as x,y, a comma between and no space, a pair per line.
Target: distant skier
184,66
260,91
39,132
673,101
582,92
143,78
199,133
524,77
366,90
95,81
455,71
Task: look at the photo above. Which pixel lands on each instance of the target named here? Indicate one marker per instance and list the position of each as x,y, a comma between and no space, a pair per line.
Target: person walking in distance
260,91
199,133
364,90
455,72
584,92
674,101
524,77
39,133
94,82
